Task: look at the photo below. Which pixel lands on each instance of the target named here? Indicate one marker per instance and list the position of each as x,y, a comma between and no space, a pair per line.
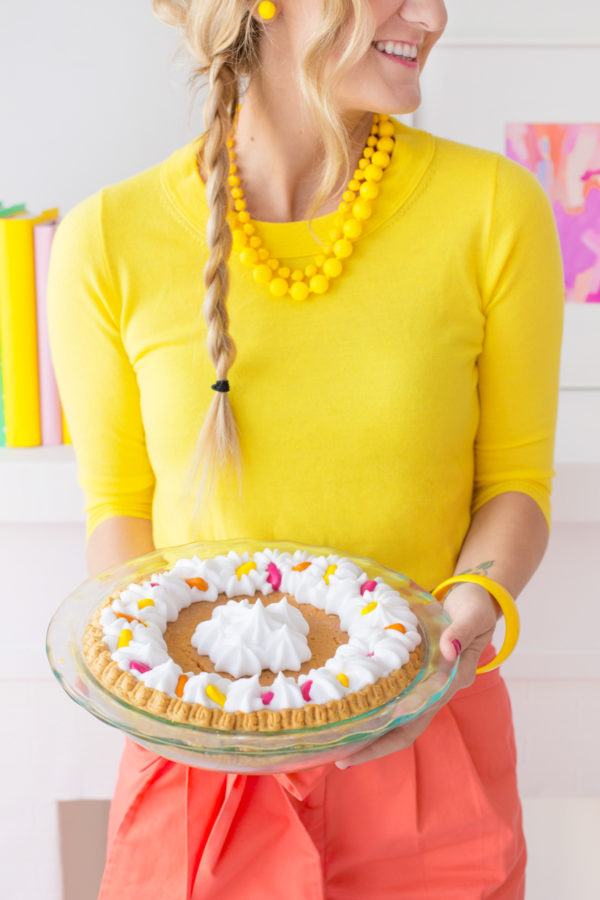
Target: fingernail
457,646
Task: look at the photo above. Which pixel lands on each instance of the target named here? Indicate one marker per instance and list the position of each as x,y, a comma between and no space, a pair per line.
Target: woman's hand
473,615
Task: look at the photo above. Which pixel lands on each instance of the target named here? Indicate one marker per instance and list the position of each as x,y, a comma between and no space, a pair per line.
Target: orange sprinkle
215,694
368,608
330,571
300,567
344,679
397,627
199,583
181,685
130,619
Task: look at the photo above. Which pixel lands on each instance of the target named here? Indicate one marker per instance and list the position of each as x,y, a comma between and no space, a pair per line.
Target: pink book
50,409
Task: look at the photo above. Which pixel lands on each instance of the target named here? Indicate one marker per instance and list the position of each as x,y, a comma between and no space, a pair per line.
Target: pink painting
566,161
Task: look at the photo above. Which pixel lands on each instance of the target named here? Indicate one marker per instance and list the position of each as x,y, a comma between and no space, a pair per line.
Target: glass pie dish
242,751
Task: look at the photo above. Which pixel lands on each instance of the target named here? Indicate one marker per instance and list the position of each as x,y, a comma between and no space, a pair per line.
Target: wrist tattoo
481,569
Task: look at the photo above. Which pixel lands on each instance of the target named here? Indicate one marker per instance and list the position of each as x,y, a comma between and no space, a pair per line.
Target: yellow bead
344,207
273,264
243,217
359,175
249,229
376,118
240,205
267,10
369,190
354,185
332,268
297,275
319,284
278,287
352,229
319,260
233,169
371,141
363,163
299,290
374,128
368,152
234,181
263,254
385,144
255,242
343,248
239,239
249,256
262,274
237,193
284,272
381,159
310,271
386,129
372,173
230,143
349,196
362,209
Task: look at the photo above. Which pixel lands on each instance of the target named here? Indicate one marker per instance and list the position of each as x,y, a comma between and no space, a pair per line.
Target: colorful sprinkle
267,697
305,689
154,584
274,578
367,586
139,667
343,679
142,604
397,627
300,567
199,583
372,653
130,619
245,568
180,685
330,571
215,695
368,608
125,638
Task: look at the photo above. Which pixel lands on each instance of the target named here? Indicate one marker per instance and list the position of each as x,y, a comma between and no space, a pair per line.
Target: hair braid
218,442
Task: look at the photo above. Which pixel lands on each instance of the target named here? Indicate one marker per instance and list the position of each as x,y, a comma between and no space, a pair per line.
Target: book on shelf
24,359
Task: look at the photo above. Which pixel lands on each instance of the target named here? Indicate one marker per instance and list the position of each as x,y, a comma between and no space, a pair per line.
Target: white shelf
39,484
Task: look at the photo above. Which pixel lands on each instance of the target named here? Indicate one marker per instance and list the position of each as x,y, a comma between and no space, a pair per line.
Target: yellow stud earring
267,10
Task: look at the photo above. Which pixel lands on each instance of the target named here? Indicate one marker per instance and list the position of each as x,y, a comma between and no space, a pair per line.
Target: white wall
94,99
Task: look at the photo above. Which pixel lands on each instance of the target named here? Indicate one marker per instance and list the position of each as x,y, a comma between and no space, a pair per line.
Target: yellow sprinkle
343,678
328,573
369,608
245,568
125,638
142,604
215,694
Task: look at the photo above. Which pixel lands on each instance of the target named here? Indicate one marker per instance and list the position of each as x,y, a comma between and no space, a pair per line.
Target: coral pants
440,820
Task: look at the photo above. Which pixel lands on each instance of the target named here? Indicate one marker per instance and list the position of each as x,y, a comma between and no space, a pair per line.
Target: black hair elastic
221,386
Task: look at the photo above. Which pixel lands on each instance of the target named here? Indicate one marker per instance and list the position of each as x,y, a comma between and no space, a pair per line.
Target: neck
279,151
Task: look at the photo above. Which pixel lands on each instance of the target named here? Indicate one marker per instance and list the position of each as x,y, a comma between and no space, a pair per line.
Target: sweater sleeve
518,369
96,380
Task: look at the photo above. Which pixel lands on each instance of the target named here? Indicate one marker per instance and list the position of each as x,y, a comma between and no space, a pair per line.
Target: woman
395,394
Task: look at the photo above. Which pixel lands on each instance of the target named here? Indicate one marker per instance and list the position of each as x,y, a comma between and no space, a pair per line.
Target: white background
94,98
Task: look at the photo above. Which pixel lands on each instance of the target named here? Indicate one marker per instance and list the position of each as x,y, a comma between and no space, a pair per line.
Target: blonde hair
224,41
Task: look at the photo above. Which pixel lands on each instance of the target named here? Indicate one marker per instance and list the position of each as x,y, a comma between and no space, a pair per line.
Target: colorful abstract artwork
566,161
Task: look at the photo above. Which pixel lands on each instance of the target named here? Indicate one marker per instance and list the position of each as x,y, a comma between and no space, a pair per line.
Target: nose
429,14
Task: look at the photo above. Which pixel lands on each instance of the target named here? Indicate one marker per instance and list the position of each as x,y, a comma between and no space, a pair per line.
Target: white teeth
396,48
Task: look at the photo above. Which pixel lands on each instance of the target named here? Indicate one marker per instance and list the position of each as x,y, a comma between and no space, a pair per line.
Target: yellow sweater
375,418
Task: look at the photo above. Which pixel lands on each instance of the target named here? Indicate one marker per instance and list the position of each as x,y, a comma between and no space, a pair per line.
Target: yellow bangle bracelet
506,604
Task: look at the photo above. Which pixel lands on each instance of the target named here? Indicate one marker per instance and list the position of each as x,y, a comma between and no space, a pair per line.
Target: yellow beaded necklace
355,208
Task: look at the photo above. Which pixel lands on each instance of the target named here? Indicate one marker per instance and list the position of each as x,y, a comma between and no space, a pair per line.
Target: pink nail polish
457,646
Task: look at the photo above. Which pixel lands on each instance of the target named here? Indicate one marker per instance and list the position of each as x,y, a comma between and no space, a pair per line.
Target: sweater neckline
411,159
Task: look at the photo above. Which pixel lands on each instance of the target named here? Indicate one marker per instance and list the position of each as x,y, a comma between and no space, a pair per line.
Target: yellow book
18,330
65,428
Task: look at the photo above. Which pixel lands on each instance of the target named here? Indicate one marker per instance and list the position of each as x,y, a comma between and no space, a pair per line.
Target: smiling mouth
397,49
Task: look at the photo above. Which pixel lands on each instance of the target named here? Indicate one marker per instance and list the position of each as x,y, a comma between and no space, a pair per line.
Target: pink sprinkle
371,654
267,697
139,667
274,578
305,689
367,586
154,584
